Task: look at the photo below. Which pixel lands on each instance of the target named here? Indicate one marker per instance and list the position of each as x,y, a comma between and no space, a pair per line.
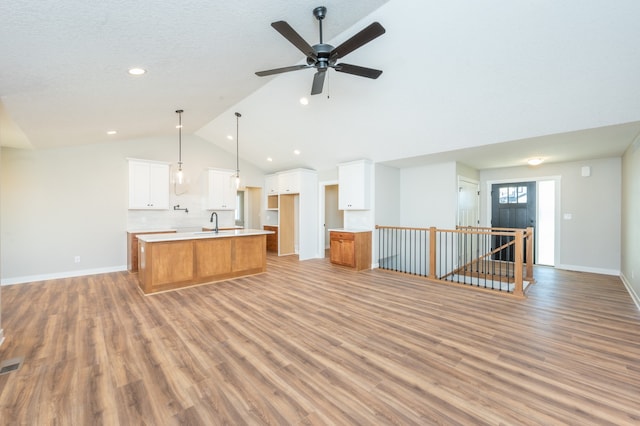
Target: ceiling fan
324,56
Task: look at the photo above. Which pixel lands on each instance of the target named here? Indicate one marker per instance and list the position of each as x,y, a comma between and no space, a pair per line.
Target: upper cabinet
148,185
271,184
289,182
354,185
222,191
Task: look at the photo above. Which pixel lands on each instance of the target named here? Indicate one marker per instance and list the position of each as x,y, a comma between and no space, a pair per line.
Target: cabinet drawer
348,236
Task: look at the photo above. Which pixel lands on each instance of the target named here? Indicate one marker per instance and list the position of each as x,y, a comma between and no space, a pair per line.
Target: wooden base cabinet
166,265
352,249
132,247
272,239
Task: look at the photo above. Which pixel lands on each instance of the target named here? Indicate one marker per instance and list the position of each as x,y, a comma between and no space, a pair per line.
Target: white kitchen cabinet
222,190
354,185
289,182
271,184
148,185
298,214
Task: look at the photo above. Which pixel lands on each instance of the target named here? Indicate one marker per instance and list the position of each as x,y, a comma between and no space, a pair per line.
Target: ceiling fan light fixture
323,56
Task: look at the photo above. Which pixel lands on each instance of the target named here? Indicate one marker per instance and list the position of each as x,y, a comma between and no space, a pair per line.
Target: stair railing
497,259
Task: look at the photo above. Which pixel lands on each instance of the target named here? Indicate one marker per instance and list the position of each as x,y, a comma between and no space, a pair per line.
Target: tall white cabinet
297,208
148,185
354,185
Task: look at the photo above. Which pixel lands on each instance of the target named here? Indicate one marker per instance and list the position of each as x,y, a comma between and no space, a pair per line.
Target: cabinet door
148,185
222,190
271,184
289,183
353,186
335,251
342,249
159,185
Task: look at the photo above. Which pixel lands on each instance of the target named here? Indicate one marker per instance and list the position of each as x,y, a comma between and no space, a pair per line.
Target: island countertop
178,236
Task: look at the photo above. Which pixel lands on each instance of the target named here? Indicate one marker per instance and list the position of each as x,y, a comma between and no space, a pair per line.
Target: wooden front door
513,205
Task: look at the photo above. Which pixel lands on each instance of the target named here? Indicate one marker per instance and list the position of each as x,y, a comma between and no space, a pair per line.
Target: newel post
529,276
432,253
518,264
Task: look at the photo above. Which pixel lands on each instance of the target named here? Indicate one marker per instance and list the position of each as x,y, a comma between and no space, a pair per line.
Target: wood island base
172,264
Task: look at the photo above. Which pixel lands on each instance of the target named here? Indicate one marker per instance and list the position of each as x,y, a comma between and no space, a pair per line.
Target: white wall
630,222
67,202
429,196
590,240
387,190
1,203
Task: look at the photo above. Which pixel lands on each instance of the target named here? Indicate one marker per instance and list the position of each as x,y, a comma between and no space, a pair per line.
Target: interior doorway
330,217
249,207
468,202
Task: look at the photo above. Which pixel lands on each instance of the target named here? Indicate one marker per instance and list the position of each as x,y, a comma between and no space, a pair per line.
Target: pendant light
179,173
238,115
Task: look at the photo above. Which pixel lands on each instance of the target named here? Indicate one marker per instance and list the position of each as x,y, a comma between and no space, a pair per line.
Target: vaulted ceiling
560,80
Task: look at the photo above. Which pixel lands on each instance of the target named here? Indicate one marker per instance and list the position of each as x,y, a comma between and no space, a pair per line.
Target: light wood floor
312,343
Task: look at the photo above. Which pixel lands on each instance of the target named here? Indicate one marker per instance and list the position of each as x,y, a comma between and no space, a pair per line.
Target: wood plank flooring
314,343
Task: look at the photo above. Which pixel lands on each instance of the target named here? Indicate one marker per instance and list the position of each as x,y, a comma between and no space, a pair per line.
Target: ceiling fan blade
294,38
280,70
363,37
357,70
318,82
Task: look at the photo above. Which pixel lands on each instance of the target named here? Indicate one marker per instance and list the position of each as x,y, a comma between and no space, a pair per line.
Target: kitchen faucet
211,220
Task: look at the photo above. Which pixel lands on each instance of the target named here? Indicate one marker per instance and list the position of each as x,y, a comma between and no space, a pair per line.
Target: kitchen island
183,259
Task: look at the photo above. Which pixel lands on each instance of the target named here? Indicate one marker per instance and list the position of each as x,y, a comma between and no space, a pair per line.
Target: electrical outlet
76,259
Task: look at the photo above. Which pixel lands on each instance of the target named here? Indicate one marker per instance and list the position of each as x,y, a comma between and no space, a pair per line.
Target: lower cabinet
132,247
272,239
166,265
352,249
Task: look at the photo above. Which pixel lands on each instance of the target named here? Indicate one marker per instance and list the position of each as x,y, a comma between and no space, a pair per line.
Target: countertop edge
180,236
352,231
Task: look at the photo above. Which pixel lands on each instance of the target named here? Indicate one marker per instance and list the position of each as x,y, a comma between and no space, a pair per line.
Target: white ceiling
488,83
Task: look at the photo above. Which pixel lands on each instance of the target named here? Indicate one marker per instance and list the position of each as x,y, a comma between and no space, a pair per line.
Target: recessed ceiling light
269,159
111,132
296,151
535,161
304,101
230,137
137,71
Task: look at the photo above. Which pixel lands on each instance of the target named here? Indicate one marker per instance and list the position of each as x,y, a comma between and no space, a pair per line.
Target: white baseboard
632,293
58,275
579,268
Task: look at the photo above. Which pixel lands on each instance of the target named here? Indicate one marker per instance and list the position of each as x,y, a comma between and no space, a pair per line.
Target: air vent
10,365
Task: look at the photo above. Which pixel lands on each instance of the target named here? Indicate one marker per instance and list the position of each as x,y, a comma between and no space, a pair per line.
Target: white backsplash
178,219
